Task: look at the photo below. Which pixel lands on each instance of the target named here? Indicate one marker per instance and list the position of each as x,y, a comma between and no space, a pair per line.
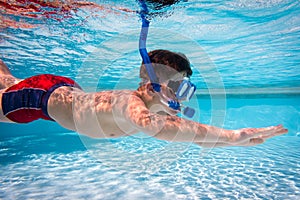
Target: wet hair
167,62
158,4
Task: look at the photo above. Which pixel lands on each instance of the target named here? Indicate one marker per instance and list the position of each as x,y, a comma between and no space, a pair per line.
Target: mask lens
190,93
183,89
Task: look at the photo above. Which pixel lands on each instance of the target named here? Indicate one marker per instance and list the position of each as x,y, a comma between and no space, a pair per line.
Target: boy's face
168,94
172,82
169,85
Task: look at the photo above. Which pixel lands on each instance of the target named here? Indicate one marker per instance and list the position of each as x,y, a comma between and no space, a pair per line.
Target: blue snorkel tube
189,112
142,47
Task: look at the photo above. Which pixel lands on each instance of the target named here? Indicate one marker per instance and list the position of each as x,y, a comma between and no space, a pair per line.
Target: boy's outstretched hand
249,136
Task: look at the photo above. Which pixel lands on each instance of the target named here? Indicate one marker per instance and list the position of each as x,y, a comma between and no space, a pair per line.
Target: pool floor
65,165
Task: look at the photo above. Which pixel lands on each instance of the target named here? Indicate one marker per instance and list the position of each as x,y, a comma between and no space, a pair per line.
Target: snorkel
185,90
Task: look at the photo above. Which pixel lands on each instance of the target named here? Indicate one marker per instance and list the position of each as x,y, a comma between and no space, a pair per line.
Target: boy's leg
6,78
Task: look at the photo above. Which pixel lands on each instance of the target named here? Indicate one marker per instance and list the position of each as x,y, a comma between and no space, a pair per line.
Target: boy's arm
173,128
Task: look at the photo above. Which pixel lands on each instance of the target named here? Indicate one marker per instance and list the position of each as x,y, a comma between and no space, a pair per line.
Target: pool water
245,57
58,164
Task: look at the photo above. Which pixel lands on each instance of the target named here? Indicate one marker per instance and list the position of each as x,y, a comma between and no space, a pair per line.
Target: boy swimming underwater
109,114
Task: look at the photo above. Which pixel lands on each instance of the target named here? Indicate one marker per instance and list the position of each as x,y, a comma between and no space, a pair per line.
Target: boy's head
158,4
166,65
170,69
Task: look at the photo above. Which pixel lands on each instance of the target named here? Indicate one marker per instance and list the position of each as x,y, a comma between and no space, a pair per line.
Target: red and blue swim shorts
27,101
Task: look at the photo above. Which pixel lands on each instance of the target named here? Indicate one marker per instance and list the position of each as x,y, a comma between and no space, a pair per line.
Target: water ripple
229,173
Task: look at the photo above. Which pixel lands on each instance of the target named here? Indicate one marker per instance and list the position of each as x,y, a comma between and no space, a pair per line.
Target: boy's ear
150,89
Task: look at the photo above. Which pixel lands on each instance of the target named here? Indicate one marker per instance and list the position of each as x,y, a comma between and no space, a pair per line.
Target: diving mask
183,89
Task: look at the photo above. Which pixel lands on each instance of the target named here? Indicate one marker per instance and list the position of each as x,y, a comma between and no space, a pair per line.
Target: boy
108,114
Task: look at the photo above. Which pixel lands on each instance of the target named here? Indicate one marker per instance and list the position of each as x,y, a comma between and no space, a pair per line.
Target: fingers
268,132
250,136
244,135
274,131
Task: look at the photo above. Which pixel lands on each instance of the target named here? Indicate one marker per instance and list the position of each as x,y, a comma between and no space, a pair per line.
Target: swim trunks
27,101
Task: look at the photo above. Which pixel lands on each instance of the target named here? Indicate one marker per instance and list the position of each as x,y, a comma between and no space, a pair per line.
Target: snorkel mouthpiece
174,104
187,111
